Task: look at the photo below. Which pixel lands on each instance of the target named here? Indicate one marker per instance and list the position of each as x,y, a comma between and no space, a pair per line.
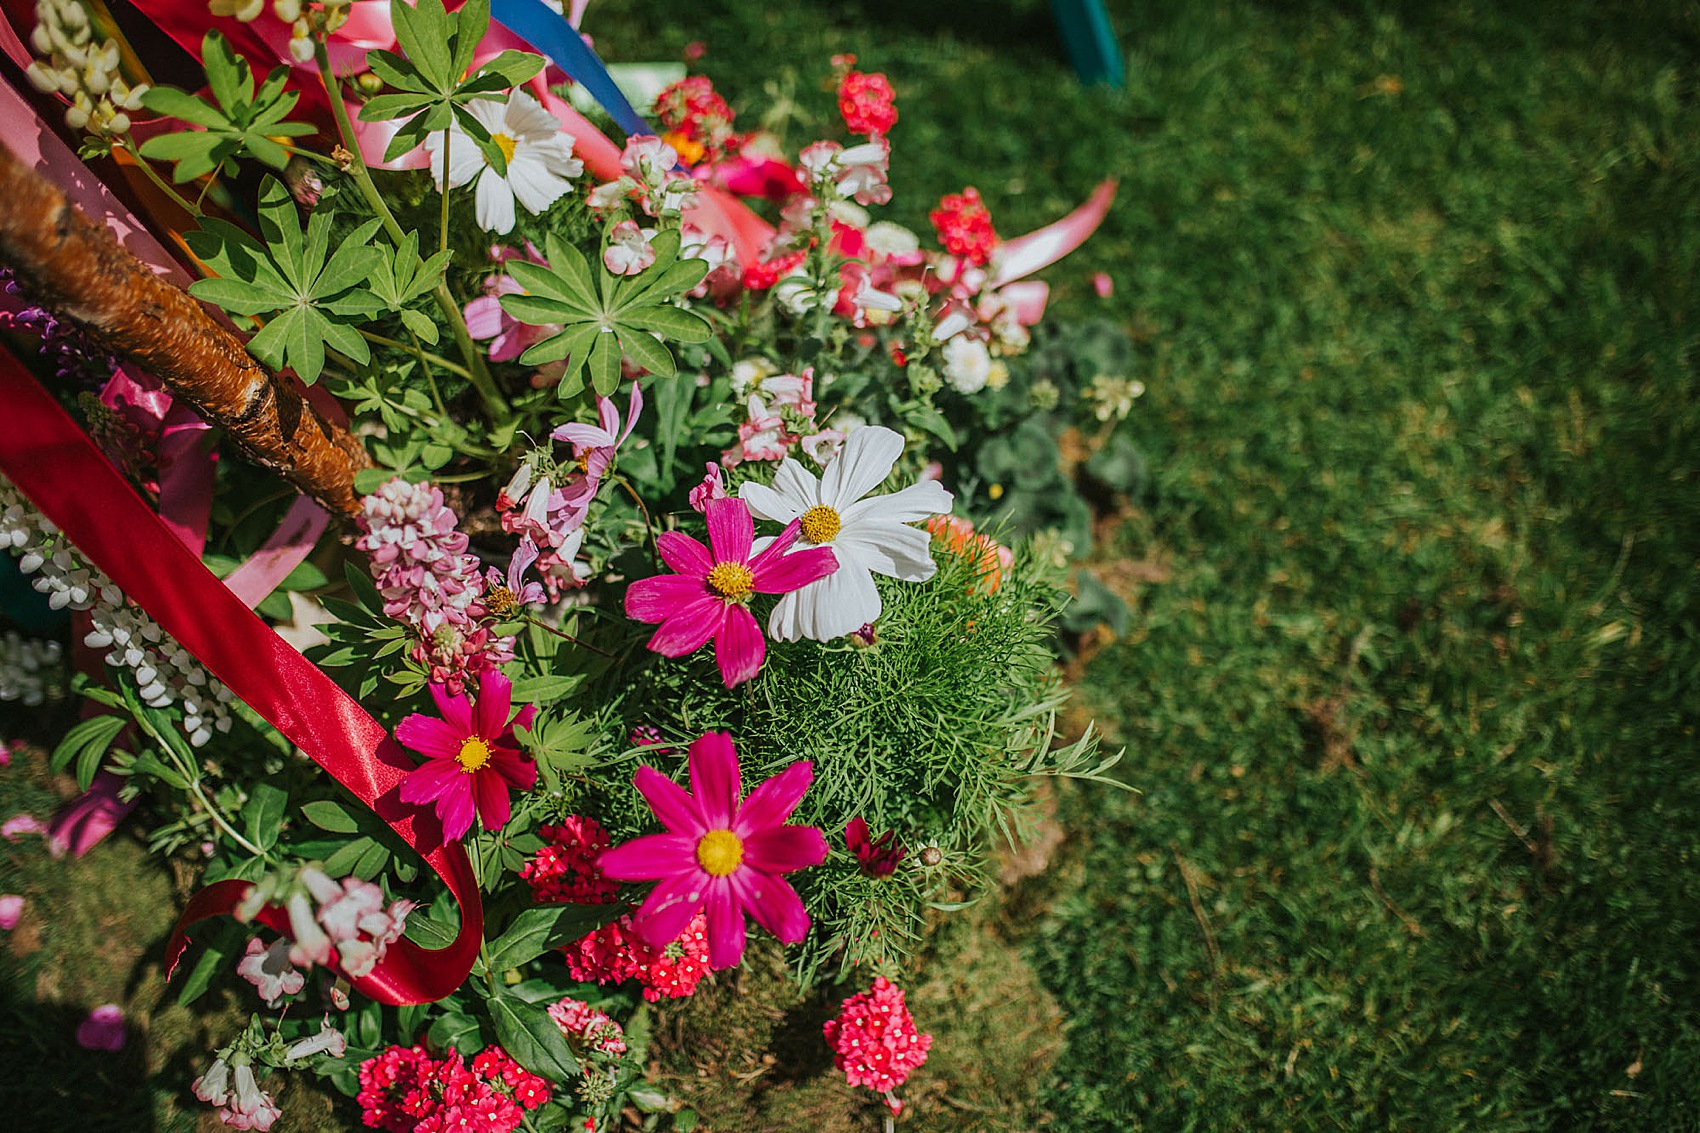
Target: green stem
418,351
494,405
565,636
430,378
160,183
443,223
649,525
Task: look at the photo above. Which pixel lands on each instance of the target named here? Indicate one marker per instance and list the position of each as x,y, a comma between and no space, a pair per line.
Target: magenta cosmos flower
720,855
707,598
472,757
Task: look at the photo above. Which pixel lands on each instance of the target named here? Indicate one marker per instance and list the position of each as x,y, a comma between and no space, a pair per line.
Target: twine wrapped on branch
73,266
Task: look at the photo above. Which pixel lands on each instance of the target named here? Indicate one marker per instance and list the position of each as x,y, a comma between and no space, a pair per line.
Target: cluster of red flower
407,1090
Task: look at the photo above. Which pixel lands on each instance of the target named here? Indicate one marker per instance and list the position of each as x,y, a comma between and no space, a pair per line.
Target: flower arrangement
656,604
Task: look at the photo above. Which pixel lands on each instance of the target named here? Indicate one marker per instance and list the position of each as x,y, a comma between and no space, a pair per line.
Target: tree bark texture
74,267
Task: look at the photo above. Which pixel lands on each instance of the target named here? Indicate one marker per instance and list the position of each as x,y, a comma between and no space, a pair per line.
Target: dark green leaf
263,815
531,1038
327,814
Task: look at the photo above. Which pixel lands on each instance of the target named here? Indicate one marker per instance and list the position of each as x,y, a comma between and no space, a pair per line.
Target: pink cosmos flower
706,598
879,856
472,758
103,1029
718,854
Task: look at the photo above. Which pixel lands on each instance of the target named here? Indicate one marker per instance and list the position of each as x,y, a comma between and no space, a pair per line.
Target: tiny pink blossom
19,825
719,854
472,758
711,488
707,598
1103,284
823,446
103,1029
11,909
628,251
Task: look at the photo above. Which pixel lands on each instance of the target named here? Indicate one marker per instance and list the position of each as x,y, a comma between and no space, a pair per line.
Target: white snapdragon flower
868,536
539,154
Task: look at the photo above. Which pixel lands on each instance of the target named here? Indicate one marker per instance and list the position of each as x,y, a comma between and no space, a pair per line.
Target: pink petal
608,417
677,811
580,435
429,781
454,809
714,779
730,530
771,804
776,549
661,596
522,718
781,849
725,924
794,571
19,825
456,709
686,631
632,410
490,715
739,647
492,794
684,554
11,908
429,736
667,911
651,857
515,769
773,903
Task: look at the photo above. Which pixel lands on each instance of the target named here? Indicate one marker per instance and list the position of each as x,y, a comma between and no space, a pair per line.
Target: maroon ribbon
59,468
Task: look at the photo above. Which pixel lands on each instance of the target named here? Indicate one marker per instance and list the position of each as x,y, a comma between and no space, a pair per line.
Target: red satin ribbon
59,468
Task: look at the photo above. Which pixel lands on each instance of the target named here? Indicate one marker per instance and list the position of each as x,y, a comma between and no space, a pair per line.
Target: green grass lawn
1412,690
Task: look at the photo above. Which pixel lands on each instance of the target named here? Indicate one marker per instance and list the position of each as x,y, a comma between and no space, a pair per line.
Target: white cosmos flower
868,536
539,154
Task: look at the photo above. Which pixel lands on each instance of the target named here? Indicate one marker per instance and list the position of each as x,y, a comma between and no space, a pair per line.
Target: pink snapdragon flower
472,759
711,488
720,855
242,1104
594,445
707,598
267,967
628,251
353,915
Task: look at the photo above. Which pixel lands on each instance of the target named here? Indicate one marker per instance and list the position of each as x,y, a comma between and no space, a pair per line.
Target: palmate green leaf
673,323
244,121
237,296
641,347
538,310
604,364
557,286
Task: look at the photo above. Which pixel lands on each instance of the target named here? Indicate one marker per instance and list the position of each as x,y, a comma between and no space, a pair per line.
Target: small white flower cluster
165,672
79,68
306,19
29,669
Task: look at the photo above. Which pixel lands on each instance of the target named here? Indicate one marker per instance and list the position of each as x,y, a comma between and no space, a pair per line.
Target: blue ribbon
549,32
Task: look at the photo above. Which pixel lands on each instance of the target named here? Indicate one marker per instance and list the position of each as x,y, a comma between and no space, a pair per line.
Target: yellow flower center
499,600
821,524
731,580
474,753
505,144
719,852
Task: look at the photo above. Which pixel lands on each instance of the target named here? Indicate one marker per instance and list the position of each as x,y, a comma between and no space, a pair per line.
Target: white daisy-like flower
539,153
868,536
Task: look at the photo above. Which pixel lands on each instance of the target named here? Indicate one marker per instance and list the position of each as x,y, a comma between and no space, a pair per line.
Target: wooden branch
75,268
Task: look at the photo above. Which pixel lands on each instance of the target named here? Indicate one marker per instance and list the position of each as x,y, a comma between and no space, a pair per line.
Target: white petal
797,485
495,202
533,184
830,607
556,153
860,468
890,549
524,117
765,503
918,501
